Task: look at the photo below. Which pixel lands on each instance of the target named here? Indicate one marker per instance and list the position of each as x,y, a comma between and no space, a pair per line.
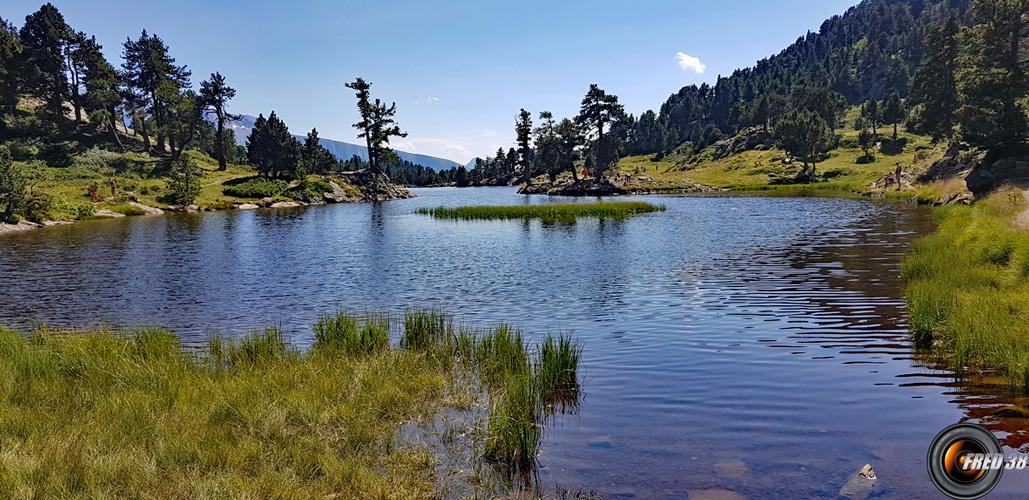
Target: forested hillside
954,70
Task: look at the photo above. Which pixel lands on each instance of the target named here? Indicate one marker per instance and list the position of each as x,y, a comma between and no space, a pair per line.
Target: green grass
968,288
545,212
132,414
557,369
351,333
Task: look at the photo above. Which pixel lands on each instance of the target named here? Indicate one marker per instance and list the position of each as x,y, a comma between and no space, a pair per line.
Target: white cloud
689,62
432,99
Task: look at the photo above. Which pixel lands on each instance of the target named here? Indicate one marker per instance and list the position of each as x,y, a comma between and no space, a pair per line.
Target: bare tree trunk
219,141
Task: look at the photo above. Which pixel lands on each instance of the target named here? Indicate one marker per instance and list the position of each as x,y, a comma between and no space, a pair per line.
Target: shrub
255,187
58,154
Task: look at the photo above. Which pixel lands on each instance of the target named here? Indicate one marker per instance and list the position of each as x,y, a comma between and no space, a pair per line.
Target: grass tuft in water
351,333
426,328
561,212
557,369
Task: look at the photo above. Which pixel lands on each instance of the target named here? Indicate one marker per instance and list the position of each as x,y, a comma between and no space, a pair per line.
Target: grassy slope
968,287
749,170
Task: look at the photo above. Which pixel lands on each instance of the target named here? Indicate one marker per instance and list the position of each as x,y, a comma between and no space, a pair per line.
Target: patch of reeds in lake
132,413
550,212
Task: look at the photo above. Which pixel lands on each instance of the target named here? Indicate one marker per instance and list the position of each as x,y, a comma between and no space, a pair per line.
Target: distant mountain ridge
342,150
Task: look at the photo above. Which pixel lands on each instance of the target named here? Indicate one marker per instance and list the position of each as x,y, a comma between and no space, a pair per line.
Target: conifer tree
992,75
44,38
804,136
934,87
10,67
893,112
523,136
215,95
597,111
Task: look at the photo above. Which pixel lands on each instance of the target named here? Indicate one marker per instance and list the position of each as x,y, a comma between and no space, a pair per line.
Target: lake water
750,344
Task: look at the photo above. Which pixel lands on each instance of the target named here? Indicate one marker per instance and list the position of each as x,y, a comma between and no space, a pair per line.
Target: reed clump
968,287
352,333
559,212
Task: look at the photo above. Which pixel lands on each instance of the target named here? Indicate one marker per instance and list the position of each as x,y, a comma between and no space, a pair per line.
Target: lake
751,344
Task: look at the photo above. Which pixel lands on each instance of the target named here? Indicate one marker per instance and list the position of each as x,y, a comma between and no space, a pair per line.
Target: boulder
247,206
146,209
21,226
286,204
377,187
338,194
103,212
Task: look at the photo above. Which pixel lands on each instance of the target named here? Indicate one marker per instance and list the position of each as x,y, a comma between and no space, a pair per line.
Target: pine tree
804,136
934,87
870,113
101,81
271,149
597,111
991,78
153,81
14,186
316,157
184,181
10,67
569,140
44,37
523,136
215,95
377,124
893,112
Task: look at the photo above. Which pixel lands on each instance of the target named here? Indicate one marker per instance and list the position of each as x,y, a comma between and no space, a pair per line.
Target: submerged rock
861,485
732,469
714,494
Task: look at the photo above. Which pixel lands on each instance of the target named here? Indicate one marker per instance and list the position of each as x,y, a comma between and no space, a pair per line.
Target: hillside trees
154,81
993,75
934,89
893,112
316,157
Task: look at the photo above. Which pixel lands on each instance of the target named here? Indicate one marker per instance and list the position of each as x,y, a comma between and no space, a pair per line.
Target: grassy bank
132,414
548,212
968,287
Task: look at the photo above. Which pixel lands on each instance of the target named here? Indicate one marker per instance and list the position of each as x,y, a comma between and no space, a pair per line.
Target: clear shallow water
764,330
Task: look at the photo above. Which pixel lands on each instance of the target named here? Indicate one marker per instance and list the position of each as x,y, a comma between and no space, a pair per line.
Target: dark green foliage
183,181
10,61
377,124
992,76
893,112
271,149
45,37
597,111
154,84
934,87
805,136
867,143
214,96
318,159
14,187
523,137
255,187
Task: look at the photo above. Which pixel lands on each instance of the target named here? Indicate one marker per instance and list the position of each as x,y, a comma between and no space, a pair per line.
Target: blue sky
458,70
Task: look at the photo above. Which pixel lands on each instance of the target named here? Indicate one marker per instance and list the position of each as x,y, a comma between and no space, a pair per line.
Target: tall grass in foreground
968,288
557,212
131,414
